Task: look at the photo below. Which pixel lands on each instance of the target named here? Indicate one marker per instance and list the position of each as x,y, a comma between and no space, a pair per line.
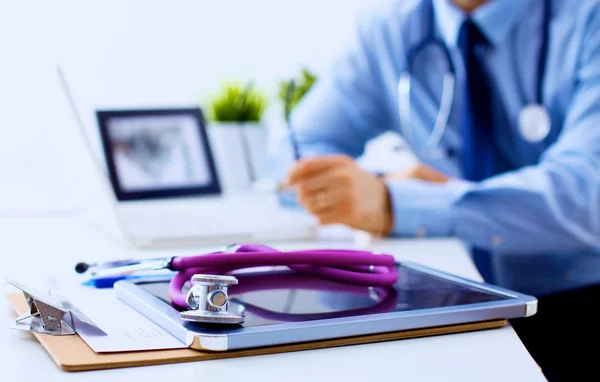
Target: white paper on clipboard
125,328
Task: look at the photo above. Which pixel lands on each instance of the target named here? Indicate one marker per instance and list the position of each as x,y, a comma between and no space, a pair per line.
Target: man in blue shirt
528,208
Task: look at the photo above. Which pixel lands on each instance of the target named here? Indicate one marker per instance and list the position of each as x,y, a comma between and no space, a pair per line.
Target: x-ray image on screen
158,152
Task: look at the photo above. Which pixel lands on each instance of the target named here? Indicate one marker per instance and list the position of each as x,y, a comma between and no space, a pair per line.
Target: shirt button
421,232
496,240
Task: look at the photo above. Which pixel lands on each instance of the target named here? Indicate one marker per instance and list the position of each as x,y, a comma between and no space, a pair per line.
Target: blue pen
288,111
106,282
109,282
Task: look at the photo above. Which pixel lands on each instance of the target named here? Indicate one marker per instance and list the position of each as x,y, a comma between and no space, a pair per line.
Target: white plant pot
257,137
240,153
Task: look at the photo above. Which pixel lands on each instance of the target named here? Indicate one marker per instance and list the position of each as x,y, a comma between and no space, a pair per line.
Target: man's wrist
386,216
425,208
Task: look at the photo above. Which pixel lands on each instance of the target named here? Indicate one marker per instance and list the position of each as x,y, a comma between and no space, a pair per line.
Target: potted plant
237,135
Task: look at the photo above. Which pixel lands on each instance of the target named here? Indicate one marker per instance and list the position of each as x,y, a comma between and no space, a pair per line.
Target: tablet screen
278,298
152,153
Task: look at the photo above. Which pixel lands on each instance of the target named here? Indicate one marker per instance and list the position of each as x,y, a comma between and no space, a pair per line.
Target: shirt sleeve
551,207
347,106
425,209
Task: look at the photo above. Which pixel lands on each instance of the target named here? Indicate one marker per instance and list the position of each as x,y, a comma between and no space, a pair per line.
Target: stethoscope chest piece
209,301
534,123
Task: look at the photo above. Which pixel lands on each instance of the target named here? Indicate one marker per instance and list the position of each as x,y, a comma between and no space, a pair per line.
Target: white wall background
119,53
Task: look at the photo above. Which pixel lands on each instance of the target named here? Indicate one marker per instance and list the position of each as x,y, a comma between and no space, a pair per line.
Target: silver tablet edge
530,302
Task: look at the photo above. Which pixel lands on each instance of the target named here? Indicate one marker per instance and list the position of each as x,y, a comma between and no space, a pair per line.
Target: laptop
165,188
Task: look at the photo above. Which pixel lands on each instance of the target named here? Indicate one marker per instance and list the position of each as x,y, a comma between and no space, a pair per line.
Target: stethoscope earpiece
82,267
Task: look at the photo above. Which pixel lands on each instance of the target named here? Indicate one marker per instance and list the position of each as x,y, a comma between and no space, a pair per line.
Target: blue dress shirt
540,215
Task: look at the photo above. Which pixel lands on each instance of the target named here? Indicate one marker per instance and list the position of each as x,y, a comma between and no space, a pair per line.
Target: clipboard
72,354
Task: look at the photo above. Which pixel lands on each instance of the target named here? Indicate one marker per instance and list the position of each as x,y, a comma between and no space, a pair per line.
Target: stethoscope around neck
533,121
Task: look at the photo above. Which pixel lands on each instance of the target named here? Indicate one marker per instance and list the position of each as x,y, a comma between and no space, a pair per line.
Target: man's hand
337,191
420,172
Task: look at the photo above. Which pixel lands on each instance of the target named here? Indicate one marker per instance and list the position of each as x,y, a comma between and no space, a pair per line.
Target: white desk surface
35,247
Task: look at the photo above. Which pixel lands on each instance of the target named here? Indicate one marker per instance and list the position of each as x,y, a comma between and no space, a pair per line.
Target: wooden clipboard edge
72,354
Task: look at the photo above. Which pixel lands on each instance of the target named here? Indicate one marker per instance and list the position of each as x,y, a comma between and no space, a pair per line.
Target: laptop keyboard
252,218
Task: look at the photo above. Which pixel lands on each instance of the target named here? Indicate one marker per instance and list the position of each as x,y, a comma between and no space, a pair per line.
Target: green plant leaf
305,81
237,103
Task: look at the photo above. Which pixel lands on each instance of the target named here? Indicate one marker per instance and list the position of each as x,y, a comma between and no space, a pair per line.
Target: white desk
35,247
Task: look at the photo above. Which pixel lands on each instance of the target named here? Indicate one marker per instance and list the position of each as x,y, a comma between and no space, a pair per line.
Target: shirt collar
494,18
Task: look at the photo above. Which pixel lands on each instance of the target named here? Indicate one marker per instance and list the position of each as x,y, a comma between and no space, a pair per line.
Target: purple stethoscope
207,300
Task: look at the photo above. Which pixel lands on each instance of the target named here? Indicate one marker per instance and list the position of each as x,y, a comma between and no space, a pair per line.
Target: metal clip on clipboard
49,314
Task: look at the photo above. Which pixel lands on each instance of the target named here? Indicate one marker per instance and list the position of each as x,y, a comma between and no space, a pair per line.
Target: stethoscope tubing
384,298
273,258
361,268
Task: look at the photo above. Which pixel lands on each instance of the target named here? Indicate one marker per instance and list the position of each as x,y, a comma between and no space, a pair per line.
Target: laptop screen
157,153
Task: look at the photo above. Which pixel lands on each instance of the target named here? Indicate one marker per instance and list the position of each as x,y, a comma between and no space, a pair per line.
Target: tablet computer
282,307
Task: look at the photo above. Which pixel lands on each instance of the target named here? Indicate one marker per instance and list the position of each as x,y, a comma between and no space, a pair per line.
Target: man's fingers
429,174
333,216
421,172
309,167
332,178
320,201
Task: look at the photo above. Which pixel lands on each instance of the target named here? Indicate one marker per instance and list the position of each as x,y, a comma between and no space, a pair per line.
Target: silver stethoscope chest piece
209,300
534,123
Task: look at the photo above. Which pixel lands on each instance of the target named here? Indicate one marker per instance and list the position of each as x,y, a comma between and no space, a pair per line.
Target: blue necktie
478,152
